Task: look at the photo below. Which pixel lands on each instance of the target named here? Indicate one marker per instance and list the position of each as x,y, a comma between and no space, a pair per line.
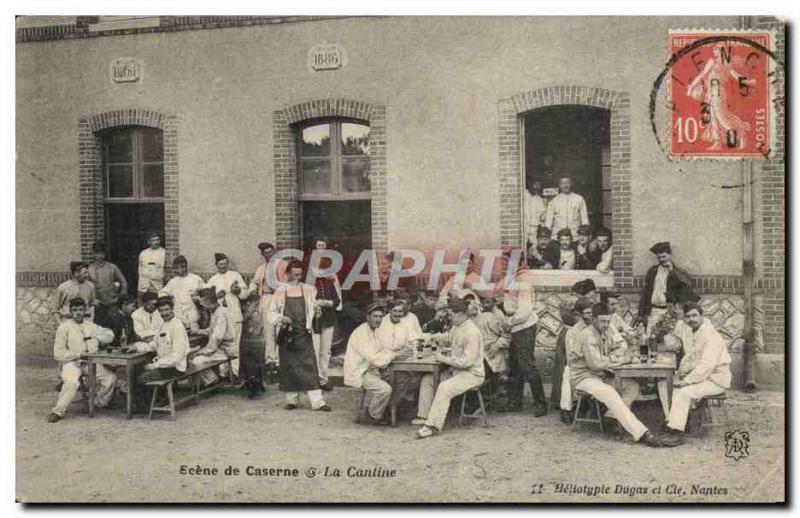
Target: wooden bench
192,374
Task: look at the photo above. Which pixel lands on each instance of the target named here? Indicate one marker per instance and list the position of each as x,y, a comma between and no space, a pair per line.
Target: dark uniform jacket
550,255
677,281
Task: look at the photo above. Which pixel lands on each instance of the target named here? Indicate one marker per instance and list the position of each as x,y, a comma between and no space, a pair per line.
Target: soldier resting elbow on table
76,336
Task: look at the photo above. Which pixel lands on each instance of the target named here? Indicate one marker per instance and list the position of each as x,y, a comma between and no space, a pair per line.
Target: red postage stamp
719,94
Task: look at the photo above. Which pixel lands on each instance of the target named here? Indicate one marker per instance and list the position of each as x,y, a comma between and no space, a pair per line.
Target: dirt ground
519,458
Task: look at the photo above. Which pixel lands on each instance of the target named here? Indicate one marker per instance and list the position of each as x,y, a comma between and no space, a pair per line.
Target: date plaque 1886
326,57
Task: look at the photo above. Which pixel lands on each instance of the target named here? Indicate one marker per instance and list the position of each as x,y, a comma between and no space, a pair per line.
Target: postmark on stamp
720,95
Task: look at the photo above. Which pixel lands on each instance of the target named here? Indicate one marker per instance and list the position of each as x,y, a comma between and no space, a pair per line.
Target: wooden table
115,357
427,365
665,370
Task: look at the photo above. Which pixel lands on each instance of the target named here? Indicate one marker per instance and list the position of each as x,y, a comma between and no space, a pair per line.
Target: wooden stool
481,407
577,419
362,406
718,401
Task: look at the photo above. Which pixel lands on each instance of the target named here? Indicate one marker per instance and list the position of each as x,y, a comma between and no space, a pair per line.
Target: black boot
673,438
651,440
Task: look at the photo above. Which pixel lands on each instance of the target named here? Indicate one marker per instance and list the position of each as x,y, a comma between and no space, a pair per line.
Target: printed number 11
537,489
686,129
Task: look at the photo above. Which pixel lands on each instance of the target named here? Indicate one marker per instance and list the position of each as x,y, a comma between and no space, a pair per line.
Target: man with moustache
660,280
710,376
589,366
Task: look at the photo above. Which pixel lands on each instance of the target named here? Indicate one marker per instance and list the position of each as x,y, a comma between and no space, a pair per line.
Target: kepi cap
661,248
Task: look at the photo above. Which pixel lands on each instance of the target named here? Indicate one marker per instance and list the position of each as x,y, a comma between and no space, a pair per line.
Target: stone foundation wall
725,311
35,328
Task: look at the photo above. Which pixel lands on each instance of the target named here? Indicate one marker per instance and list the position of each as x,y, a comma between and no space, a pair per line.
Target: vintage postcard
400,259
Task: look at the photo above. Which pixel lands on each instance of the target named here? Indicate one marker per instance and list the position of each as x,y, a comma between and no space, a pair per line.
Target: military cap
77,302
583,287
165,300
74,266
375,306
149,295
600,310
582,304
661,248
458,305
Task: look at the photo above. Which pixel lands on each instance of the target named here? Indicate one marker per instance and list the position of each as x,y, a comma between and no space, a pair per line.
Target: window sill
566,278
134,200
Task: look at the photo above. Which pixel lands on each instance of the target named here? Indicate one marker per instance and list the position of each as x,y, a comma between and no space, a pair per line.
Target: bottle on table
644,348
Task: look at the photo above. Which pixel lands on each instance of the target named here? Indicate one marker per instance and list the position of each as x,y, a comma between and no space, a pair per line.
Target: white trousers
268,330
70,375
378,393
433,408
682,398
630,391
314,397
617,407
208,376
566,390
233,349
322,351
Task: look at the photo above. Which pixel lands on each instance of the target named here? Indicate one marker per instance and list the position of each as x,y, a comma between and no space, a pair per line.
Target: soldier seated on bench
77,335
221,336
171,345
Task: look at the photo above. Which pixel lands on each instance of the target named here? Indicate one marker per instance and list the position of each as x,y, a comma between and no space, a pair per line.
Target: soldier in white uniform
264,286
231,287
362,363
146,319
220,336
171,345
710,376
183,290
567,210
77,287
535,210
465,372
74,337
151,266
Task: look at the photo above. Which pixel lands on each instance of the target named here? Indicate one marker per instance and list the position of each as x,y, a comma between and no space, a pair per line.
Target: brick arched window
616,210
331,116
128,159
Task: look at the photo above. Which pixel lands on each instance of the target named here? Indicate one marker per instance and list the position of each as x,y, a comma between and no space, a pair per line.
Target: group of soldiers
491,340
559,236
487,338
94,309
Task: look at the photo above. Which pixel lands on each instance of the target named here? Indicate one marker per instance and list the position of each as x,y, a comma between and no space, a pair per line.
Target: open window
568,141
